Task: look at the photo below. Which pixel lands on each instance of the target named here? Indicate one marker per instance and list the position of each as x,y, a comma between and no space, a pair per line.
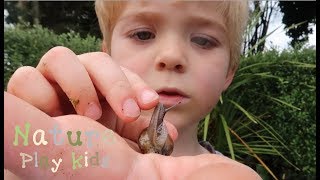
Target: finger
110,80
146,96
119,155
62,66
30,85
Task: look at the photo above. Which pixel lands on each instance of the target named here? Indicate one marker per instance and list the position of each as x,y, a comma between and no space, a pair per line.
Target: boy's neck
187,143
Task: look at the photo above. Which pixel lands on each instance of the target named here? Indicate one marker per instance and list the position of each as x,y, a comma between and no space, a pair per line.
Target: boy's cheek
209,84
208,91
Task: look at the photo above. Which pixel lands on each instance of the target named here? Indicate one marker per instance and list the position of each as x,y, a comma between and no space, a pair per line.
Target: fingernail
148,96
131,108
93,111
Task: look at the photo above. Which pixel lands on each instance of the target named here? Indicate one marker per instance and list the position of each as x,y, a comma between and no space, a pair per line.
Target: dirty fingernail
93,111
130,108
148,96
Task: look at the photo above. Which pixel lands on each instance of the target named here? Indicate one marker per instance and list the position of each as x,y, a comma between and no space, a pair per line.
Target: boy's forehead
203,6
179,4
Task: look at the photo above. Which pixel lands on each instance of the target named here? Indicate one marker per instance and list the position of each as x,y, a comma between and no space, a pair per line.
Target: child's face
180,49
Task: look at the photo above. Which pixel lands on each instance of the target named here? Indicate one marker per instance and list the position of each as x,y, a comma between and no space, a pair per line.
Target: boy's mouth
171,96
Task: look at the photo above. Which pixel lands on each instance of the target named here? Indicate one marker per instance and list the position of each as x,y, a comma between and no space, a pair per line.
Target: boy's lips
171,96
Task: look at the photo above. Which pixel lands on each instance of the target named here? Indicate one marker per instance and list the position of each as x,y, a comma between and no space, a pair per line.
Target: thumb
119,155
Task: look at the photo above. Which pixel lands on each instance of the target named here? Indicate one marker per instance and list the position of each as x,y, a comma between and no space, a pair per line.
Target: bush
297,126
25,45
286,102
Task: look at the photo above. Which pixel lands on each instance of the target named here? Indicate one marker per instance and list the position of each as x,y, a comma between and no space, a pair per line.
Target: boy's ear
104,47
229,79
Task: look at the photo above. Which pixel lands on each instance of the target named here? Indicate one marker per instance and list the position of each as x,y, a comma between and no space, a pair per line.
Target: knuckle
21,76
101,55
55,54
58,50
93,57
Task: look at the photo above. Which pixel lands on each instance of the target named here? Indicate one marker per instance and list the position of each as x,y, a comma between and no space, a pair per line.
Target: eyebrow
198,20
202,21
143,16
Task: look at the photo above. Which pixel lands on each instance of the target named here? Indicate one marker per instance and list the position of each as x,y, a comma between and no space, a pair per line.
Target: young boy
185,51
166,52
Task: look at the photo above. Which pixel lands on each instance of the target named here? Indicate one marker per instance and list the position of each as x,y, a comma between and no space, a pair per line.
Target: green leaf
281,102
253,119
205,127
226,130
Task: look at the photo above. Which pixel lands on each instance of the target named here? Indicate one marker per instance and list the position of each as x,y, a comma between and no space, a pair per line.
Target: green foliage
25,45
270,111
58,16
296,87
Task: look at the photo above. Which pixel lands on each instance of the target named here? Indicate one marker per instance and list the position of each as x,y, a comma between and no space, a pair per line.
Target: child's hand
95,85
121,161
81,78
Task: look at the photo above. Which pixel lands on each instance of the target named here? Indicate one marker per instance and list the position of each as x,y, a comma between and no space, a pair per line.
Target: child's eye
143,35
203,42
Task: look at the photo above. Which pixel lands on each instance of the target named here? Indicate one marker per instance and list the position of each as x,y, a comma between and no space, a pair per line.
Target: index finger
61,66
112,83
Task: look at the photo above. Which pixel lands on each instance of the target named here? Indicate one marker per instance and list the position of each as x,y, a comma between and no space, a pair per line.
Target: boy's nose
171,57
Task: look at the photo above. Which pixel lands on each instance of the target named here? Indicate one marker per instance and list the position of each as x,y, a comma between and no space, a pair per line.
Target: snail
155,138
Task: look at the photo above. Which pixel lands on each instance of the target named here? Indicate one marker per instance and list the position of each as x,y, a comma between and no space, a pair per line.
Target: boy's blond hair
235,13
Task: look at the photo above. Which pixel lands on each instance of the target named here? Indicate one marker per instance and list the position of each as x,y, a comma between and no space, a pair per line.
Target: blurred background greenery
266,119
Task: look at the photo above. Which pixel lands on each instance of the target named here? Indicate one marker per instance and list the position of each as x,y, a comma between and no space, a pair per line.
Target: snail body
155,138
